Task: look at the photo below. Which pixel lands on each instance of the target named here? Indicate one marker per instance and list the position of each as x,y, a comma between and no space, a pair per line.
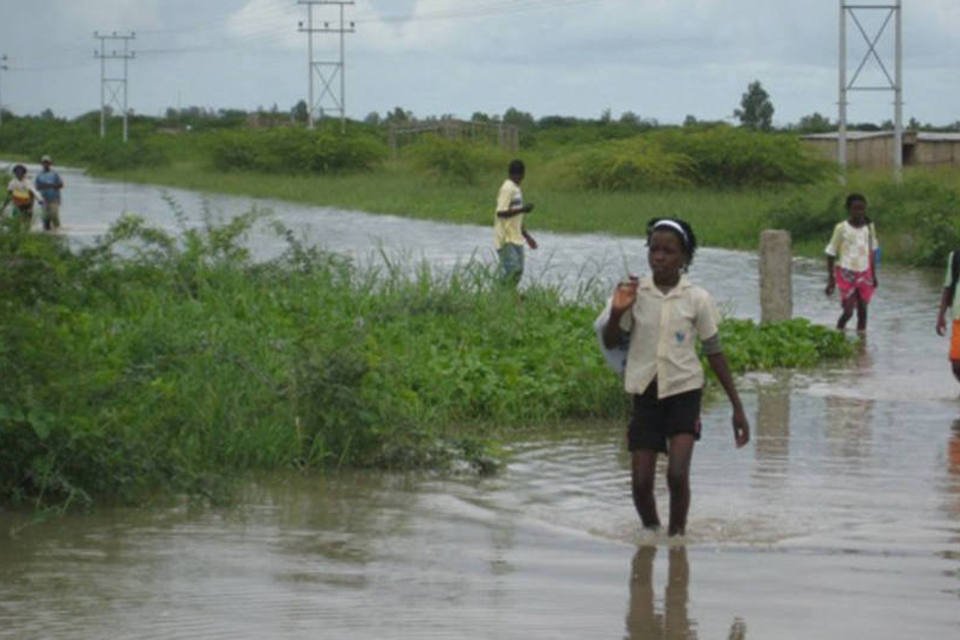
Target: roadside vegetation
151,363
584,175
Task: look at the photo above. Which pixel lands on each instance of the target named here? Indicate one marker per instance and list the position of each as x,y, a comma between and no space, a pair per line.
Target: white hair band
675,226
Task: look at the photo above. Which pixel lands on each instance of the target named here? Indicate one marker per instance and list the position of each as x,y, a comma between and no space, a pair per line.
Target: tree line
755,111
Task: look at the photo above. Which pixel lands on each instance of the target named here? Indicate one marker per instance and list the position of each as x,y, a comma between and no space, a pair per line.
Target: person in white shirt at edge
23,194
509,232
664,315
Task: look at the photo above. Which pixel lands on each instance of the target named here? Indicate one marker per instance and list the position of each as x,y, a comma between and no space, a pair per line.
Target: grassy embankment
583,177
599,187
149,362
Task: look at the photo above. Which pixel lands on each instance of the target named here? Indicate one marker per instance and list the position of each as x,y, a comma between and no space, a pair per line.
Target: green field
151,362
583,176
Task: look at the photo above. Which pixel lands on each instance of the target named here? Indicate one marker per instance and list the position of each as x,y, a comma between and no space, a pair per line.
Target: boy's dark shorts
655,421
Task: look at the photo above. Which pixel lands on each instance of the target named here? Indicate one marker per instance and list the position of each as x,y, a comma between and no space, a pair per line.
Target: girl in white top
665,315
851,262
23,194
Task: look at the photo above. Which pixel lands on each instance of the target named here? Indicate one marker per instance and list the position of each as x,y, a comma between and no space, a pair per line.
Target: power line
480,11
3,67
326,71
113,86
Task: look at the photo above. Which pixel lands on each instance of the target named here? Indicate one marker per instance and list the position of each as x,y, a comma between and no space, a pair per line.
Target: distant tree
520,119
690,121
299,112
756,109
886,125
552,122
479,116
629,118
398,116
605,116
815,123
373,118
914,124
47,114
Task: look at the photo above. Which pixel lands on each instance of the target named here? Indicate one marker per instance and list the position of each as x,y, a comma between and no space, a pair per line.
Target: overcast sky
661,59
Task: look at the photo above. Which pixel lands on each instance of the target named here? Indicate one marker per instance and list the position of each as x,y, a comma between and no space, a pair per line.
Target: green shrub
730,157
806,219
632,164
456,161
788,344
926,211
151,361
295,150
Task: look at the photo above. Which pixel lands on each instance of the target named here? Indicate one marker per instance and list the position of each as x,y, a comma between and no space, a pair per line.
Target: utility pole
326,71
110,88
893,9
3,67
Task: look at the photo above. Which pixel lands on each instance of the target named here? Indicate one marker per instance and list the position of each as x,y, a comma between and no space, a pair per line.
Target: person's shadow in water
644,622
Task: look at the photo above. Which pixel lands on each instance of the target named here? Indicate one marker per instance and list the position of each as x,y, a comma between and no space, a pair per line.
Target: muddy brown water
840,520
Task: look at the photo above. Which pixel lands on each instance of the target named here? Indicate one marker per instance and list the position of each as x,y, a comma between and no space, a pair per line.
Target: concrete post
776,290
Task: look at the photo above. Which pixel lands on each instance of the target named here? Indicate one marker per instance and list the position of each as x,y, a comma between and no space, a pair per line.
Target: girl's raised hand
625,294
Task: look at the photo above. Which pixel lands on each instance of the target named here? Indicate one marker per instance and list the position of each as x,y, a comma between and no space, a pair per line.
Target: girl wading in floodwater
664,315
854,242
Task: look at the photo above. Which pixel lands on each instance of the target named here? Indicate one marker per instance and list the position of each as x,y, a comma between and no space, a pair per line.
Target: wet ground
840,520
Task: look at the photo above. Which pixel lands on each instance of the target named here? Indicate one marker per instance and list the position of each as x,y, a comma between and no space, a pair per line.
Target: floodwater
841,519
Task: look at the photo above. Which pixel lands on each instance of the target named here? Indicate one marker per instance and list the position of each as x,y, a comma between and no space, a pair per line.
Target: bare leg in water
643,470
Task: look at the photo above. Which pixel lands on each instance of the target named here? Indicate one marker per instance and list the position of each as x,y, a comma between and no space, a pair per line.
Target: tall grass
150,361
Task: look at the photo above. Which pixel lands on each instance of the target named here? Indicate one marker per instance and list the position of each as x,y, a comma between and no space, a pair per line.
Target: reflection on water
772,431
848,427
953,471
648,618
644,621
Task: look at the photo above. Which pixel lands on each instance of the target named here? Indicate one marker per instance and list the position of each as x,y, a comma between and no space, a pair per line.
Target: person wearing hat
23,194
49,184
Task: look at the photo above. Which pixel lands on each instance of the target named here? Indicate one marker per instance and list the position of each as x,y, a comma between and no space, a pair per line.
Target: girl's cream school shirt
663,331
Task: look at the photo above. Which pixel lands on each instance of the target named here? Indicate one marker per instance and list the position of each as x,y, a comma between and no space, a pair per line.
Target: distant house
874,149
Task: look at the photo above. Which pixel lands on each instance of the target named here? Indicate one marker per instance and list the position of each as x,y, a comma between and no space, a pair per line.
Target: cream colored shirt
853,245
508,230
663,332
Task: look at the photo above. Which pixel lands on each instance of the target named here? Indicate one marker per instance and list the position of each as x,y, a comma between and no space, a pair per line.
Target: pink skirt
850,282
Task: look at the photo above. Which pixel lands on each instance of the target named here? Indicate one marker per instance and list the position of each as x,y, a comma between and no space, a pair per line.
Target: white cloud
269,23
109,15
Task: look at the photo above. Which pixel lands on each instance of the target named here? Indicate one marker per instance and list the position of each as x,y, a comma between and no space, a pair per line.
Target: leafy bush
152,361
728,157
792,343
806,220
81,143
926,212
456,161
295,150
916,220
632,164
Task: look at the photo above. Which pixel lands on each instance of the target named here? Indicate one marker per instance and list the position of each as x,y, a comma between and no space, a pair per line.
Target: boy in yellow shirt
509,232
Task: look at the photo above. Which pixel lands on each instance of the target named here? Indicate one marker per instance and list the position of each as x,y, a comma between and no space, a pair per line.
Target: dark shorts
655,421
